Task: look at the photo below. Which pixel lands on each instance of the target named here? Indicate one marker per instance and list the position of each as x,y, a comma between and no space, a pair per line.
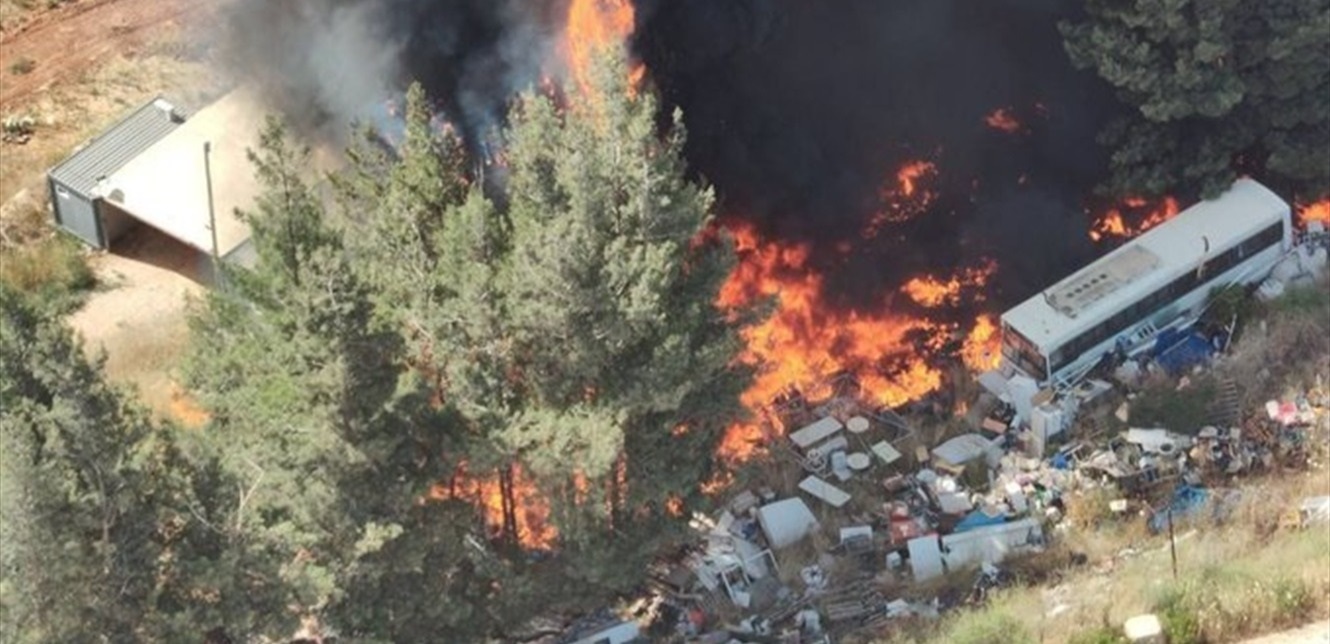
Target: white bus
1161,279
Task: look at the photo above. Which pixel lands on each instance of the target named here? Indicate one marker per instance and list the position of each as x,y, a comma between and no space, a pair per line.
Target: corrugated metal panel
118,145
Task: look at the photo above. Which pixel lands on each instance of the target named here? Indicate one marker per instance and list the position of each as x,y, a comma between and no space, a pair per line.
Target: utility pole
212,216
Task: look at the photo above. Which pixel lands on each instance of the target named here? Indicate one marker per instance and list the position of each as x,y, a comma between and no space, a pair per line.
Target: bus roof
1145,263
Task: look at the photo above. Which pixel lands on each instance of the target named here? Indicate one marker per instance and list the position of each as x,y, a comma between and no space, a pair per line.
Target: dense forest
445,402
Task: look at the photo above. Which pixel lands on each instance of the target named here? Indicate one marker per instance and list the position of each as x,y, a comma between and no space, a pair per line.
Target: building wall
77,214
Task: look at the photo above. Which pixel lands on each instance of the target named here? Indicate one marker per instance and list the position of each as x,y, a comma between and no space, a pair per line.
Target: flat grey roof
117,146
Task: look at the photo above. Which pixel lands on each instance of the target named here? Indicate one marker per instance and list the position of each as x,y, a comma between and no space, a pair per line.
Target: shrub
1178,618
1161,404
23,65
52,269
988,627
1102,635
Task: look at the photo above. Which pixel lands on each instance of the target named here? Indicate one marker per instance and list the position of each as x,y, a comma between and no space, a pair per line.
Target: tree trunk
509,504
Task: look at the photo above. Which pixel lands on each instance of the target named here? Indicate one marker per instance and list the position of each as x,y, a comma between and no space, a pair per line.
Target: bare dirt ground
1318,633
91,62
62,41
138,318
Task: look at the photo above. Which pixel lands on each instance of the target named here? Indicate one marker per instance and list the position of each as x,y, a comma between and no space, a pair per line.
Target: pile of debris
850,545
839,547
863,525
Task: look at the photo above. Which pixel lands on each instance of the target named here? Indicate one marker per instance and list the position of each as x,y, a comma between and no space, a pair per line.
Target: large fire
1112,223
804,341
594,25
1318,211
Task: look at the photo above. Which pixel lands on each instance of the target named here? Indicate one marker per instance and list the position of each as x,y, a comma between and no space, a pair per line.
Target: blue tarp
1177,352
978,519
1187,501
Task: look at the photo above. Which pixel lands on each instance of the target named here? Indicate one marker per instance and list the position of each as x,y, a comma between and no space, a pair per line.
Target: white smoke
329,63
319,62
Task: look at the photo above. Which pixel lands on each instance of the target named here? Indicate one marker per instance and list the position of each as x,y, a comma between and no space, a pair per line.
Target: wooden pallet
1224,409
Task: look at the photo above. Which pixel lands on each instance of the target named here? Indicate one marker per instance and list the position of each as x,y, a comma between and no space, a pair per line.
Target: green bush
1292,599
1160,404
23,65
1178,618
1102,635
53,270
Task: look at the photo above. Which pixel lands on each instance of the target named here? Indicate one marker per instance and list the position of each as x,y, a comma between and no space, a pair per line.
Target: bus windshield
1023,354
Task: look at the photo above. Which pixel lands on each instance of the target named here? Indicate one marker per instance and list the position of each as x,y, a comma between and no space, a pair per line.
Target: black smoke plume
797,111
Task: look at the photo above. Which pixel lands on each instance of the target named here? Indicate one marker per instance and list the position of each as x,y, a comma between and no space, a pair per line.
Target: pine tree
101,532
626,364
571,330
566,339
1217,89
332,444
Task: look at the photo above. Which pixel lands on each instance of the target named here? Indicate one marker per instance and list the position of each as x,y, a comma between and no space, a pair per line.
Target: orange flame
982,350
1003,120
594,25
931,292
913,172
1113,224
804,341
1318,211
531,511
904,197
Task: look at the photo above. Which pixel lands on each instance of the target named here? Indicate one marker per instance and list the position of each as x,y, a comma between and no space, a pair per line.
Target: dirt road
64,42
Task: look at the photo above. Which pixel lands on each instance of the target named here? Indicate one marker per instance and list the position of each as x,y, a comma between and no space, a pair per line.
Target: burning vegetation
905,194
804,340
1317,211
509,504
592,27
1003,119
1114,223
890,353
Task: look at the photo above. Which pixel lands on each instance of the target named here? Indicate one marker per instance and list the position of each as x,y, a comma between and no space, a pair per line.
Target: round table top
857,461
857,425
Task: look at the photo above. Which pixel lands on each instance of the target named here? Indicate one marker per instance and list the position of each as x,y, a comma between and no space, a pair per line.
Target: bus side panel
1251,271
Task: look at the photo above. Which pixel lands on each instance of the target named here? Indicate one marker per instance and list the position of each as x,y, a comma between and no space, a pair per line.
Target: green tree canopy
105,527
1218,88
549,337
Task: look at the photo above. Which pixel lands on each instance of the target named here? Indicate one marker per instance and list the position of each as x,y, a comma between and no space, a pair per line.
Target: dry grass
52,269
1286,344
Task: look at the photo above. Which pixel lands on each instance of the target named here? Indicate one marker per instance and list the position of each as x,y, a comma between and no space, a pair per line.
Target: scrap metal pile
865,532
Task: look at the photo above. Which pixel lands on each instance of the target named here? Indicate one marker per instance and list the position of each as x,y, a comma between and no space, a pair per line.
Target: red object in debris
697,617
902,531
